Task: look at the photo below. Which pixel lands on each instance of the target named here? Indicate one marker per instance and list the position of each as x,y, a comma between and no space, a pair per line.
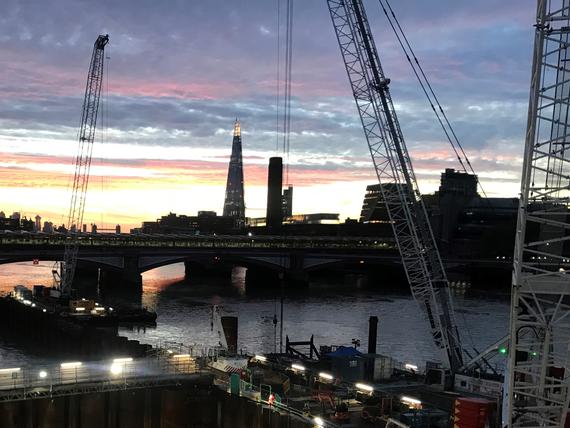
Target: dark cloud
181,71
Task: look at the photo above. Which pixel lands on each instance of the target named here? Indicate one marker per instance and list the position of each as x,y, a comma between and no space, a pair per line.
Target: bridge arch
275,263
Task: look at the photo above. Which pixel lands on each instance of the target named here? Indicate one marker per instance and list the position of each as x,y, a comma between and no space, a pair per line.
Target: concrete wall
197,405
238,412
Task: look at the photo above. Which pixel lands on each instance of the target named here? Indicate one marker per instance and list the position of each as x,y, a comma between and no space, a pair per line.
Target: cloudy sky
179,72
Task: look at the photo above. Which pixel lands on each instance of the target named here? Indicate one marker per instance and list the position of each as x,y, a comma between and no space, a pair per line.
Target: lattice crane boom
538,379
83,162
399,188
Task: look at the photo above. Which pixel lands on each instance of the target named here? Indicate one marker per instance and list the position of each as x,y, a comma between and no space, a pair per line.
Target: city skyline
175,88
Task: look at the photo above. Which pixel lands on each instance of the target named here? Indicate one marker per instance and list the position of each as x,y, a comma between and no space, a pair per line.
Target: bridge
124,257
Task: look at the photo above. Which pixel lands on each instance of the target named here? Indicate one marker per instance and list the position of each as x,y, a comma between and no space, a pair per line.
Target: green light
534,354
503,350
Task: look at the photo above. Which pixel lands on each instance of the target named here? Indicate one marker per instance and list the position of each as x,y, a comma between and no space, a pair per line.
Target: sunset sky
180,72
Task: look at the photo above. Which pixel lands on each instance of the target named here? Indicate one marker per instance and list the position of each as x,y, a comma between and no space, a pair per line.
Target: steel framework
83,162
398,185
538,377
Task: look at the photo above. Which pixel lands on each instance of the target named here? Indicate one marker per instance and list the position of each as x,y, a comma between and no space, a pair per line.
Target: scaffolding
537,378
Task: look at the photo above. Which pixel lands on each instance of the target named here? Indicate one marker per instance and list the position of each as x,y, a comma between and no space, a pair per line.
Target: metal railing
258,394
79,377
200,241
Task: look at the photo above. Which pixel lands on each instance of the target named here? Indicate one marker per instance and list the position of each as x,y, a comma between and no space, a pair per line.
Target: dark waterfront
335,311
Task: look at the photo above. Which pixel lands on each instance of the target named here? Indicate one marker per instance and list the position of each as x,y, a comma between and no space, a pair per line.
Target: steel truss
538,380
399,187
83,161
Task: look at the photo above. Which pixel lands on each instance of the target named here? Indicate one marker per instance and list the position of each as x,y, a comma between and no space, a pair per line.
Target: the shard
234,205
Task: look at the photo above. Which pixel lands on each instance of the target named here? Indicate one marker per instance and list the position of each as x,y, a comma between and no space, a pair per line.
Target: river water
335,312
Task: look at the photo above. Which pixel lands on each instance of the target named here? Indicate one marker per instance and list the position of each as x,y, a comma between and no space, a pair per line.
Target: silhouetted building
464,224
287,202
234,205
458,183
38,225
457,190
274,214
48,227
206,222
16,222
317,218
373,207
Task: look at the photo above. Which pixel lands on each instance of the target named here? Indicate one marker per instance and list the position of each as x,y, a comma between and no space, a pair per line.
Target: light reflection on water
333,313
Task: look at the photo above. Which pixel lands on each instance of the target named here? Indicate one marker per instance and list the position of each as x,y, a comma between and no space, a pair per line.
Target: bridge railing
202,241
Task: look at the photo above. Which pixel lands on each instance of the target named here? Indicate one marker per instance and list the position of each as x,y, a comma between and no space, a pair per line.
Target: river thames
334,311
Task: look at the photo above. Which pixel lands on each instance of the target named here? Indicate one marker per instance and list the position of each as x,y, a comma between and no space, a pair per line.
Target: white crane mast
537,393
398,185
82,164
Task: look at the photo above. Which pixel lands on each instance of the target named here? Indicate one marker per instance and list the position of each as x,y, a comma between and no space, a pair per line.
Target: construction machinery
537,381
398,184
63,277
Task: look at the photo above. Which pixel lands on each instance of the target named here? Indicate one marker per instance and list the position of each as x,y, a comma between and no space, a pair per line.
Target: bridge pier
131,275
296,275
127,277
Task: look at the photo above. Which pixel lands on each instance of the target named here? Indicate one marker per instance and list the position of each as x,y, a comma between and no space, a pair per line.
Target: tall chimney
274,216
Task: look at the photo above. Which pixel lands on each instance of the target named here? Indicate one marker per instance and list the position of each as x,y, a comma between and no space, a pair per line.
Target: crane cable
105,130
287,86
284,133
278,77
428,90
439,112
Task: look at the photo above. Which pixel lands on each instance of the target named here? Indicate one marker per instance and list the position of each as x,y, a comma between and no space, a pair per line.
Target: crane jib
87,129
398,185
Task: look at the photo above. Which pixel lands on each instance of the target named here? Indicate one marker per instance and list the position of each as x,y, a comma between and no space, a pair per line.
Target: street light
319,422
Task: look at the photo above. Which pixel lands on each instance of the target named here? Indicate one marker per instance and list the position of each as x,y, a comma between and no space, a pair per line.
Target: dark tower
234,205
287,201
274,216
